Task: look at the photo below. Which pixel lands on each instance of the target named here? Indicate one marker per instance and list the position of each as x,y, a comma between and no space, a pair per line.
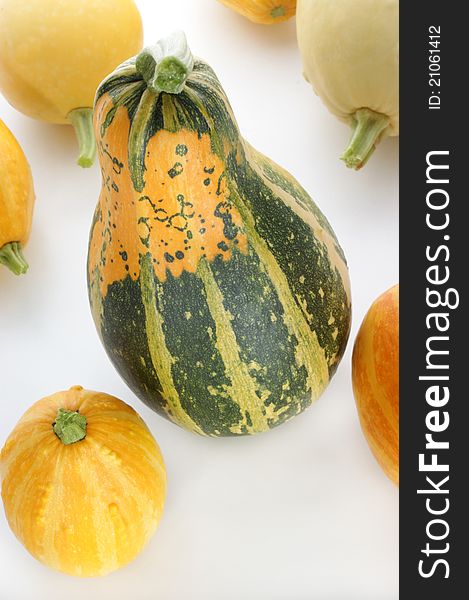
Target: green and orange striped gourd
217,286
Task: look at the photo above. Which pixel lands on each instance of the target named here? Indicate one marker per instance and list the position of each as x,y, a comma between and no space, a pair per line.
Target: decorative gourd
350,54
375,376
217,286
16,202
263,11
83,482
53,55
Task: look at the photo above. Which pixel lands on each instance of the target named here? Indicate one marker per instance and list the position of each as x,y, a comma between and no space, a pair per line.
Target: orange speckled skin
86,508
375,377
126,218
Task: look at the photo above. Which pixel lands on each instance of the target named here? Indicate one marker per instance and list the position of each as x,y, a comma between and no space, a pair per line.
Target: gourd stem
11,255
82,121
278,11
368,128
166,66
69,426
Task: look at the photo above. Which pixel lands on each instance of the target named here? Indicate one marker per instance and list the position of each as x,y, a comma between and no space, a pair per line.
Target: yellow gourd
350,52
16,202
83,482
54,53
263,11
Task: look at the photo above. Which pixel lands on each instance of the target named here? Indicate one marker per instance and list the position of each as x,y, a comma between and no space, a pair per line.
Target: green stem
11,255
82,121
69,426
166,66
278,11
368,129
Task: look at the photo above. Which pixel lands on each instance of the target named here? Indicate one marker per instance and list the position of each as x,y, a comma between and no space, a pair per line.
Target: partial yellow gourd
350,52
16,202
83,482
54,53
263,11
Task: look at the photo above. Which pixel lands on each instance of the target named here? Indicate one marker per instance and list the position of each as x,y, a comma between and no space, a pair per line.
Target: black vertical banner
434,318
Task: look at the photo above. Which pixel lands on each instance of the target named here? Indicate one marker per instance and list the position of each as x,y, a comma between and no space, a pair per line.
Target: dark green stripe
189,115
125,339
120,78
205,89
261,333
296,191
199,372
144,124
301,256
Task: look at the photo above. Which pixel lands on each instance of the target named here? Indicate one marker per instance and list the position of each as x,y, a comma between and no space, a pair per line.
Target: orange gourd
375,376
266,12
83,482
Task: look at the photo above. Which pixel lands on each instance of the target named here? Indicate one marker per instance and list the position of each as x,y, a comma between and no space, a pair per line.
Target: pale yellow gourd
350,52
54,53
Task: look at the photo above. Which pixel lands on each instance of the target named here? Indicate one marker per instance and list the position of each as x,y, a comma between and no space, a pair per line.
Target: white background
302,512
